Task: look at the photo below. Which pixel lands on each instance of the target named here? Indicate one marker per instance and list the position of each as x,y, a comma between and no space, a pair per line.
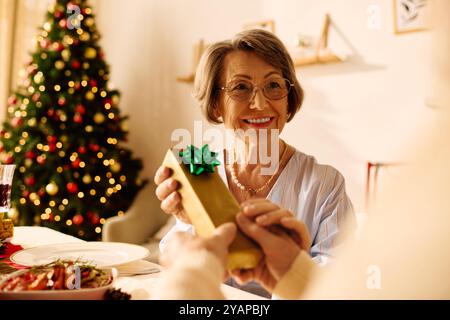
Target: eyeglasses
272,88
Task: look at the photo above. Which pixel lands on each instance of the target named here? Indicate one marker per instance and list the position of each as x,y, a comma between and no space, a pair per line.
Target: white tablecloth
140,286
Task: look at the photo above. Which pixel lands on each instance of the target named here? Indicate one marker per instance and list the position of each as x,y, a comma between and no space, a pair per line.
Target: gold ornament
85,36
116,167
34,197
124,126
65,54
89,22
115,99
13,213
90,95
38,77
52,188
37,219
28,162
99,118
87,179
59,65
90,53
47,27
32,122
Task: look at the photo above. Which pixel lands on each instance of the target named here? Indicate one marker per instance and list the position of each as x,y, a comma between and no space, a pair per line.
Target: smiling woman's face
257,112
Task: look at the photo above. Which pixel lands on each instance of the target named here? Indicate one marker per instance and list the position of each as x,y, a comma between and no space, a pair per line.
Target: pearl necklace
251,190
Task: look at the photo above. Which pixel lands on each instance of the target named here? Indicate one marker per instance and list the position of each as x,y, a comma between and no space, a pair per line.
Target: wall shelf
322,53
321,59
321,56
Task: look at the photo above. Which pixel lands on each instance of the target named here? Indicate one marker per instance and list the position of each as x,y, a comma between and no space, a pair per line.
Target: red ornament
36,97
2,148
52,139
93,83
80,109
82,150
108,101
101,54
50,217
95,219
50,112
52,147
45,44
78,118
76,64
63,23
30,154
16,122
94,147
9,159
58,14
77,219
72,187
61,101
59,47
76,163
77,86
41,192
40,160
26,194
12,100
30,181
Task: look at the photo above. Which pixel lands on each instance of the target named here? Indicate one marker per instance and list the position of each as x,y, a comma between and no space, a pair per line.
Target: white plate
99,254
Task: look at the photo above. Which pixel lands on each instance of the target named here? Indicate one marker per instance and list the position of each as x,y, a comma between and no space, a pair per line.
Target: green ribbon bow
199,161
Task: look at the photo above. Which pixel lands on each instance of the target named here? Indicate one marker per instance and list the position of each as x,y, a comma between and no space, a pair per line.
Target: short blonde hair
264,44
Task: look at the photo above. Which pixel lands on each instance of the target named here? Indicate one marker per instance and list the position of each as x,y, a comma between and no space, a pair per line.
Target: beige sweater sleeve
193,276
293,283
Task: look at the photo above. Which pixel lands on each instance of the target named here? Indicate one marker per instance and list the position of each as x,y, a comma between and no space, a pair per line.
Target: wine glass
6,178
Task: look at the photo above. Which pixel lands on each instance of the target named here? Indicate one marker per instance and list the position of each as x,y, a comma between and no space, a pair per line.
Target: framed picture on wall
268,25
411,15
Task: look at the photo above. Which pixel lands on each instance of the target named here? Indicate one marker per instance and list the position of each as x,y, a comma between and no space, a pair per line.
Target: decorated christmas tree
65,133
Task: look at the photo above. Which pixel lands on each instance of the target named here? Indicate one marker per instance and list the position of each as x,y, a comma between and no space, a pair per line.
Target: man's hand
184,243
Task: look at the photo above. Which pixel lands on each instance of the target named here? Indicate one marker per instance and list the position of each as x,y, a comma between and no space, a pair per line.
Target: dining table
137,278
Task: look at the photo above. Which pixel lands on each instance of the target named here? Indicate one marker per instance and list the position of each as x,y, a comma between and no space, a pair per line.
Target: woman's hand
280,236
168,195
185,243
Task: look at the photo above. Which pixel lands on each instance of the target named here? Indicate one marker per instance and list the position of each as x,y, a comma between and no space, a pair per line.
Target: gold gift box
208,204
6,228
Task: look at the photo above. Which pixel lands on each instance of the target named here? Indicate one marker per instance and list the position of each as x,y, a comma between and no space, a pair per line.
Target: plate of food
59,280
99,254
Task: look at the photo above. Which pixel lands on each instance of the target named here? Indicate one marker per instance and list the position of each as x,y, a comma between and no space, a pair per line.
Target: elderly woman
249,83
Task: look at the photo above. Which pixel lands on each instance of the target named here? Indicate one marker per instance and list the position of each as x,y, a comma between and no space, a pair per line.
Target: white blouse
314,193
